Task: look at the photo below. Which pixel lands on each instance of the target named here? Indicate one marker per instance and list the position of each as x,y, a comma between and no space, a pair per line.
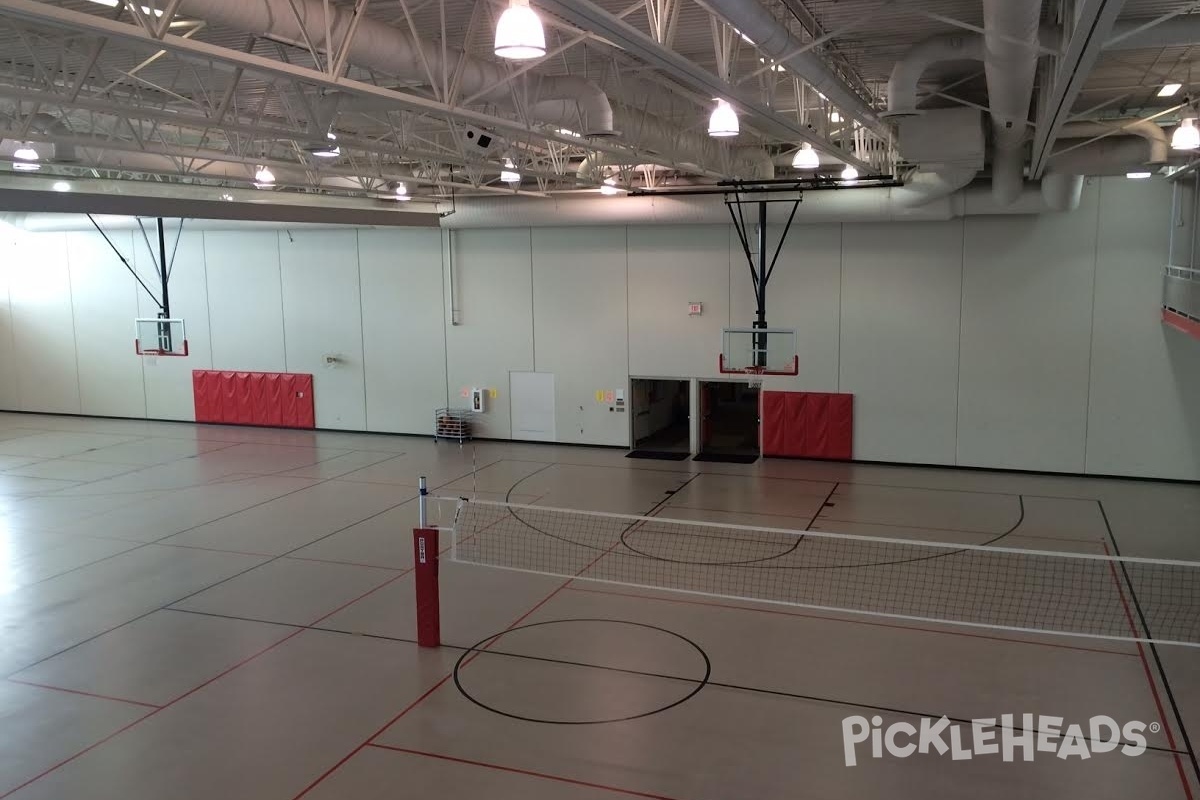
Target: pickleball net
980,586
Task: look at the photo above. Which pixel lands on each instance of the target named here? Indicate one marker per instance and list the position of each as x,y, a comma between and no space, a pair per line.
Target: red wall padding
808,424
279,399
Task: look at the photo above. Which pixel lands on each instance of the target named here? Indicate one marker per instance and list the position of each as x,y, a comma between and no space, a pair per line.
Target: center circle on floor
582,671
707,546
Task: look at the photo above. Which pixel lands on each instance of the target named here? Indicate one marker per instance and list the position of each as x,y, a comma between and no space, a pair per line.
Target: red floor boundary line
195,689
87,749
853,621
81,692
1162,715
370,739
520,771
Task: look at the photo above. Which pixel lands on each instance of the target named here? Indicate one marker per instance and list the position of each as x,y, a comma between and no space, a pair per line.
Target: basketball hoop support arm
760,273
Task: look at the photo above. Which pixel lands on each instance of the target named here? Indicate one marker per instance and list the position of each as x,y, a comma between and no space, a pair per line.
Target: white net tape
1129,599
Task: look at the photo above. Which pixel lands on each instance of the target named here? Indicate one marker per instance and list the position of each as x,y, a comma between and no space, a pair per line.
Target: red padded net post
425,571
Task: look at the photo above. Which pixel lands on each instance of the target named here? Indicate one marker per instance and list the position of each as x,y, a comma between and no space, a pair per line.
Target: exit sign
695,309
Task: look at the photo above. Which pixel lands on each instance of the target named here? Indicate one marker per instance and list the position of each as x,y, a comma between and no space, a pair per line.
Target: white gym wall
1015,341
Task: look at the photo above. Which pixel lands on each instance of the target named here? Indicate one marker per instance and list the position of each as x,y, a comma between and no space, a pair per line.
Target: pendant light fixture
509,174
264,178
25,159
1186,136
806,158
723,121
849,173
519,33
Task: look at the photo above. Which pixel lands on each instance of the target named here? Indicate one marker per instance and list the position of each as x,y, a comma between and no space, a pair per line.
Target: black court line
821,507
624,670
479,648
1162,672
758,563
744,476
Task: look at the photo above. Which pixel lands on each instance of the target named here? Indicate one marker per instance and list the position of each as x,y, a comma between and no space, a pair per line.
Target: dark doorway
660,416
728,421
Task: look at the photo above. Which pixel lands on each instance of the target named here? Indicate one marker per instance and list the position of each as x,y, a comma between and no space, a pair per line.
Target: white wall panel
1145,376
9,398
322,316
533,406
43,325
493,282
901,288
670,266
580,328
404,338
804,293
1026,330
245,304
168,380
104,301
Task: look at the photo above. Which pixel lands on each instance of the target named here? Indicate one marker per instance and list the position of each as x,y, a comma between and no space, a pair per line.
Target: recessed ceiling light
1169,89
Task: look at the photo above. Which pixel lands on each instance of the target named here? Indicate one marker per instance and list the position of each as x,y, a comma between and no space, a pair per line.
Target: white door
531,401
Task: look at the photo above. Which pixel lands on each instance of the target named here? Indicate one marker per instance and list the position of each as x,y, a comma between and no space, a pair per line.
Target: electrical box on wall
477,400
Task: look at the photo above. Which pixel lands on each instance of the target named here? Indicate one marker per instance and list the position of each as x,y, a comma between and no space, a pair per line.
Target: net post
425,574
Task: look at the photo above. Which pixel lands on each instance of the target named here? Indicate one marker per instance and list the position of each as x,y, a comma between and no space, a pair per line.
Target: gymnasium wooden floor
208,612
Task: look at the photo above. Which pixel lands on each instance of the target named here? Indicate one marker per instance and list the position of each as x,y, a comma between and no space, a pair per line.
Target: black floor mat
662,455
727,458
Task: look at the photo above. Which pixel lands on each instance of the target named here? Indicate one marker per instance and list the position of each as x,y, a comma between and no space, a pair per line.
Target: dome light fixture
849,173
519,33
806,158
509,174
26,159
1186,136
723,121
609,187
264,178
402,192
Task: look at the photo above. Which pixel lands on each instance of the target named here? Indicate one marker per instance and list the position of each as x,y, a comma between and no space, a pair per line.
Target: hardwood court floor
209,612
